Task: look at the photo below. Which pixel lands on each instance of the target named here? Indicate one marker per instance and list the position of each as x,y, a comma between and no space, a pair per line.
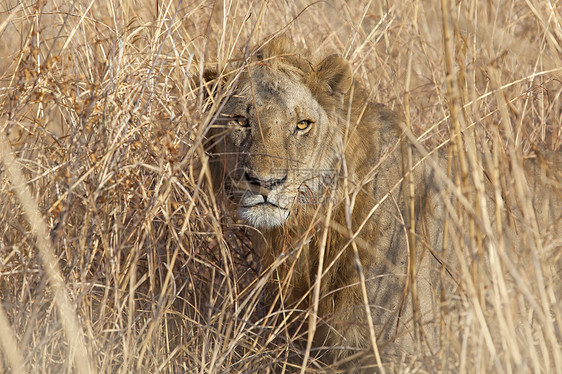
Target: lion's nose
268,183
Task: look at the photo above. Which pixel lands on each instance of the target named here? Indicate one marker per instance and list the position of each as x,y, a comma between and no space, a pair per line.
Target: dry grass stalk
115,256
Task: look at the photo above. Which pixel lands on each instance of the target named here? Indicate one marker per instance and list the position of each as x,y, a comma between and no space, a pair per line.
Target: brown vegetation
115,255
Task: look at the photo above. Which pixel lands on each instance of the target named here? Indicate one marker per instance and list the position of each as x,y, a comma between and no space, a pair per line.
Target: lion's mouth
251,200
262,211
264,203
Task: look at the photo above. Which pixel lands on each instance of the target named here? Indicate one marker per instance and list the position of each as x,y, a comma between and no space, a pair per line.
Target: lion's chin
264,215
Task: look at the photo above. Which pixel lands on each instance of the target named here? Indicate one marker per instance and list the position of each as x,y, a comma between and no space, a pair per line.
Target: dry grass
116,258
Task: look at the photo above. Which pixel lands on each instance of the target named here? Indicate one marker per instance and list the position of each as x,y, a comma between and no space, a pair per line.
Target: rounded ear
335,71
209,82
210,75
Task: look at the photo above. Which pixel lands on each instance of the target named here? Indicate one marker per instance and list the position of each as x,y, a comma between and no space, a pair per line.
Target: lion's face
281,148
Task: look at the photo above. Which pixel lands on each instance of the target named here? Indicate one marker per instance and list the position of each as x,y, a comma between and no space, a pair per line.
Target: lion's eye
242,122
303,125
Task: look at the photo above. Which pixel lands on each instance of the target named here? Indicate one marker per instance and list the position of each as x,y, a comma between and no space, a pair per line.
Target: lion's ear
209,82
336,72
210,75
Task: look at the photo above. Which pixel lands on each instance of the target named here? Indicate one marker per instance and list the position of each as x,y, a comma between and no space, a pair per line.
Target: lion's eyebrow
298,111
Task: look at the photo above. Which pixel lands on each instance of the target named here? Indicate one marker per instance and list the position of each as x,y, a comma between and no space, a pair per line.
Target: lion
320,171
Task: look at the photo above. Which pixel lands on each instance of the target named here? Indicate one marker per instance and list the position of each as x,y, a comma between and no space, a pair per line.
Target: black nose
252,178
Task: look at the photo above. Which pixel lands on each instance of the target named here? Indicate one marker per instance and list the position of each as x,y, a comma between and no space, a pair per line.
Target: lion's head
281,132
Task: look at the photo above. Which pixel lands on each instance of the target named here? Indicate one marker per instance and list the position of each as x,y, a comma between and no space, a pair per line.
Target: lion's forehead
275,91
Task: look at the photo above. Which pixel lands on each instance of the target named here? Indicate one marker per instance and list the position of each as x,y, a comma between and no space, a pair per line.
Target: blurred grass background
115,256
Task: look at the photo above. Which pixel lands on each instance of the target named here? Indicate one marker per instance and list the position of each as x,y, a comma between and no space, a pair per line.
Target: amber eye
303,125
241,121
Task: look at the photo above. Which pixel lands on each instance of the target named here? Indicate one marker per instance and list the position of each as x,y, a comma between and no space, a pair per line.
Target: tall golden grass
116,257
